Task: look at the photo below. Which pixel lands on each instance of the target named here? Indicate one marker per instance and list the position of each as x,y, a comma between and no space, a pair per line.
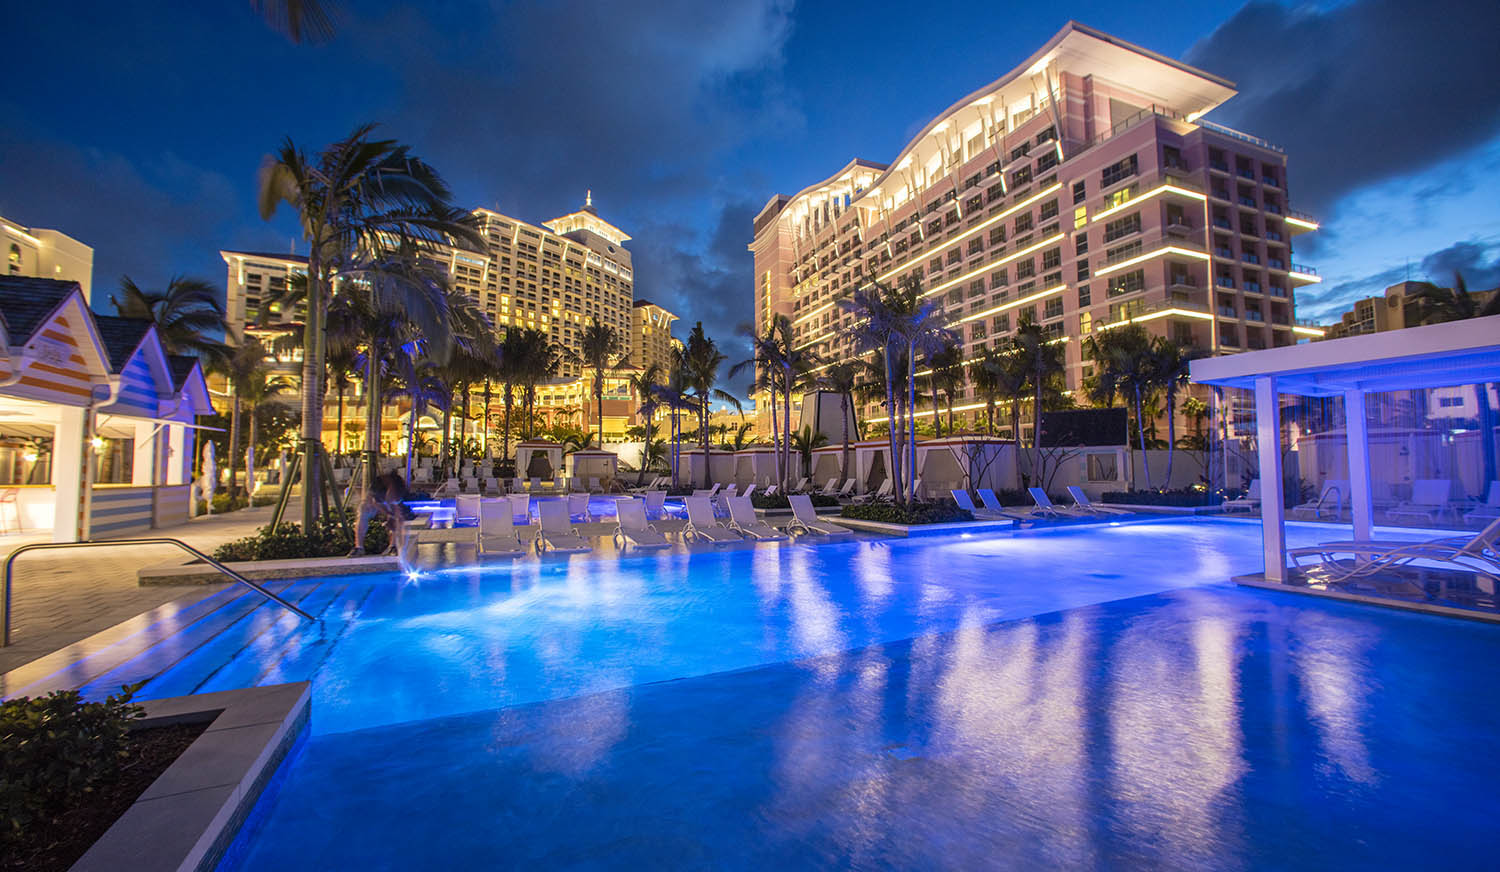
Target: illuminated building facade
650,340
1082,190
47,254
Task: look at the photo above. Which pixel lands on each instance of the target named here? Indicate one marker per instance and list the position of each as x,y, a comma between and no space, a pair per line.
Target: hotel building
1082,190
47,254
650,340
1396,310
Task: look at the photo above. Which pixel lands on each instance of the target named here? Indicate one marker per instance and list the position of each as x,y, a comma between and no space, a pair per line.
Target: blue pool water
1096,697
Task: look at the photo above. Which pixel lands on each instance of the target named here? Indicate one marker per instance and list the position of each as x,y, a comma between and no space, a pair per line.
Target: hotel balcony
1304,274
1300,222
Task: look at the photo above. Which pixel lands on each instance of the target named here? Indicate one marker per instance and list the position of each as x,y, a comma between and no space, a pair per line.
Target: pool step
285,637
191,649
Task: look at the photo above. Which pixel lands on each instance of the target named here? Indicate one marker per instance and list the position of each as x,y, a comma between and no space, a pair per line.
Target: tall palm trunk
911,408
786,409
1015,433
463,422
312,387
844,425
338,441
372,417
485,440
505,436
1140,426
703,434
599,399
776,437
1171,431
250,459
937,422
890,424
234,442
411,436
445,449
1036,433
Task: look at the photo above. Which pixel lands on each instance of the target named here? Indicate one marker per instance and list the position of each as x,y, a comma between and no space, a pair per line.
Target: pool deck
64,596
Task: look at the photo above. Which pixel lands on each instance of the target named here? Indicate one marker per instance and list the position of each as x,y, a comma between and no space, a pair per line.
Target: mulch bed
59,843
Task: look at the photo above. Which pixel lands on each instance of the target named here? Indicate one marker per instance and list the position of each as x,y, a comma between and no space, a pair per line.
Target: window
1020,150
1122,227
1085,323
975,246
1083,270
999,279
1026,269
1051,258
997,235
1048,210
15,258
1083,295
1001,323
1080,192
1046,162
977,331
1103,467
1118,172
1053,308
976,288
1080,217
1023,223
1080,244
1126,283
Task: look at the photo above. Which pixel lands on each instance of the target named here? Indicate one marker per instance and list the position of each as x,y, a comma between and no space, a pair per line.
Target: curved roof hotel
1083,189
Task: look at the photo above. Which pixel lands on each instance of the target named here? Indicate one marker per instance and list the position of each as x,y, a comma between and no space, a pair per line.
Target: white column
70,474
1357,432
179,455
1268,449
143,463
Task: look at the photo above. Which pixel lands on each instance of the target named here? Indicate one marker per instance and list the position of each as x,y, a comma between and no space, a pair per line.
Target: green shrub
286,541
1185,497
916,513
55,747
780,501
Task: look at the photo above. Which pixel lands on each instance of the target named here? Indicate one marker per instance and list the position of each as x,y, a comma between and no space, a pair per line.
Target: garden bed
907,515
58,842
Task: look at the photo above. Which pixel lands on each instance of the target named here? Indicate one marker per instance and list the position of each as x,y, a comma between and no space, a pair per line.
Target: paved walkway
60,597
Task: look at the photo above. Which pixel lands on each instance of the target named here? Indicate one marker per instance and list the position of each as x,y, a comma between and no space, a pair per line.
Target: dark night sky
137,127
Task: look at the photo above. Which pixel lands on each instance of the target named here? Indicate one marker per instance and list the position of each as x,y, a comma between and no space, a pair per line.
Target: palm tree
187,315
769,351
420,383
873,330
1436,305
674,393
701,359
1125,362
841,378
653,449
537,358
599,348
804,441
946,363
1044,362
1172,364
918,327
367,206
341,362
299,20
239,368
509,371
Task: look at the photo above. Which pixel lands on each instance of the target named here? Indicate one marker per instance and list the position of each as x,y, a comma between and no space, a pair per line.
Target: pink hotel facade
1082,189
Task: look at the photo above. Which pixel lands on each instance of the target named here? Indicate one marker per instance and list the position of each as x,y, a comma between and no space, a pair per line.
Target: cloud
1360,92
1478,260
149,219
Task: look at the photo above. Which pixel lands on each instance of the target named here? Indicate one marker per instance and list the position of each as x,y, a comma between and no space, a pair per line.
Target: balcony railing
1305,270
1243,137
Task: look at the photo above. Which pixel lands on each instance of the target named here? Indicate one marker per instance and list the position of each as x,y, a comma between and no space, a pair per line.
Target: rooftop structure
1081,190
1395,310
48,254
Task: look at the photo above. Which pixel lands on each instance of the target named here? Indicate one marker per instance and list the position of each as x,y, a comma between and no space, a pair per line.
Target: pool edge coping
1257,580
187,818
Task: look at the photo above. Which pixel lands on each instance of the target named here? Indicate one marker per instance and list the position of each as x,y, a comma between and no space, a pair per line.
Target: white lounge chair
492,485
447,489
742,517
1487,510
557,532
992,504
578,507
534,484
1083,503
594,487
1249,502
1429,498
771,490
655,501
1330,500
471,485
805,519
634,529
575,485
966,502
1045,506
831,487
703,525
750,489
847,490
881,493
1479,553
497,530
800,487
465,508
520,507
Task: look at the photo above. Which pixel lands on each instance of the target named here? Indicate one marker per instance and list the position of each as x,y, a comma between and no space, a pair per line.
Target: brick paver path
60,597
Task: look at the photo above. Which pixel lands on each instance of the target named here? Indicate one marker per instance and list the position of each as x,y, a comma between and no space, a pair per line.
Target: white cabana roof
1437,355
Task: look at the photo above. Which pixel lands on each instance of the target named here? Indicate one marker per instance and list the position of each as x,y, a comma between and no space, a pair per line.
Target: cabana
94,417
1438,355
539,458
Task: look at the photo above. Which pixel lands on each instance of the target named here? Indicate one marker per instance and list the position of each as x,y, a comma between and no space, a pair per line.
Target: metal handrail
234,576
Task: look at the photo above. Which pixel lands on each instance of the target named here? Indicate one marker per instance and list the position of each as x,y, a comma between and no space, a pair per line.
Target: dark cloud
1360,92
1477,260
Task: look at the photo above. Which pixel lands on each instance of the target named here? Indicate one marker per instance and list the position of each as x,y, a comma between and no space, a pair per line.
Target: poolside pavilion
1434,356
96,419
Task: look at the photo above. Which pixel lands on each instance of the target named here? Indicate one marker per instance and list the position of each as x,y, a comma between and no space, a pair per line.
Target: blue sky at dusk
137,128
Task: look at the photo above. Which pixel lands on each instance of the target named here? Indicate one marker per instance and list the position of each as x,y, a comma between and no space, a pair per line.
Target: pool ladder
224,570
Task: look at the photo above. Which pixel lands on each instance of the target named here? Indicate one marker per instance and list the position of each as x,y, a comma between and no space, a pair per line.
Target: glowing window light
1141,258
1164,189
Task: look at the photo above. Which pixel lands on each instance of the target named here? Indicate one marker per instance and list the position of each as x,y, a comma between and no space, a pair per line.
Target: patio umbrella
210,480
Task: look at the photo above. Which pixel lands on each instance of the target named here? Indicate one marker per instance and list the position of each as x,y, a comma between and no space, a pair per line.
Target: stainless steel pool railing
224,570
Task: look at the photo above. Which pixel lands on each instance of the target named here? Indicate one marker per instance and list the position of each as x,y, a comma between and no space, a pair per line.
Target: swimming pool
1088,697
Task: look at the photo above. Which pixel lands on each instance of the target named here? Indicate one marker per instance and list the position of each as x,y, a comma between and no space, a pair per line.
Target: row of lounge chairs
1431,500
496,533
1044,507
495,487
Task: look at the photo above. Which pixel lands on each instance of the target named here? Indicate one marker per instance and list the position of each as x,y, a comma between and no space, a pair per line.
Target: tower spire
588,197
